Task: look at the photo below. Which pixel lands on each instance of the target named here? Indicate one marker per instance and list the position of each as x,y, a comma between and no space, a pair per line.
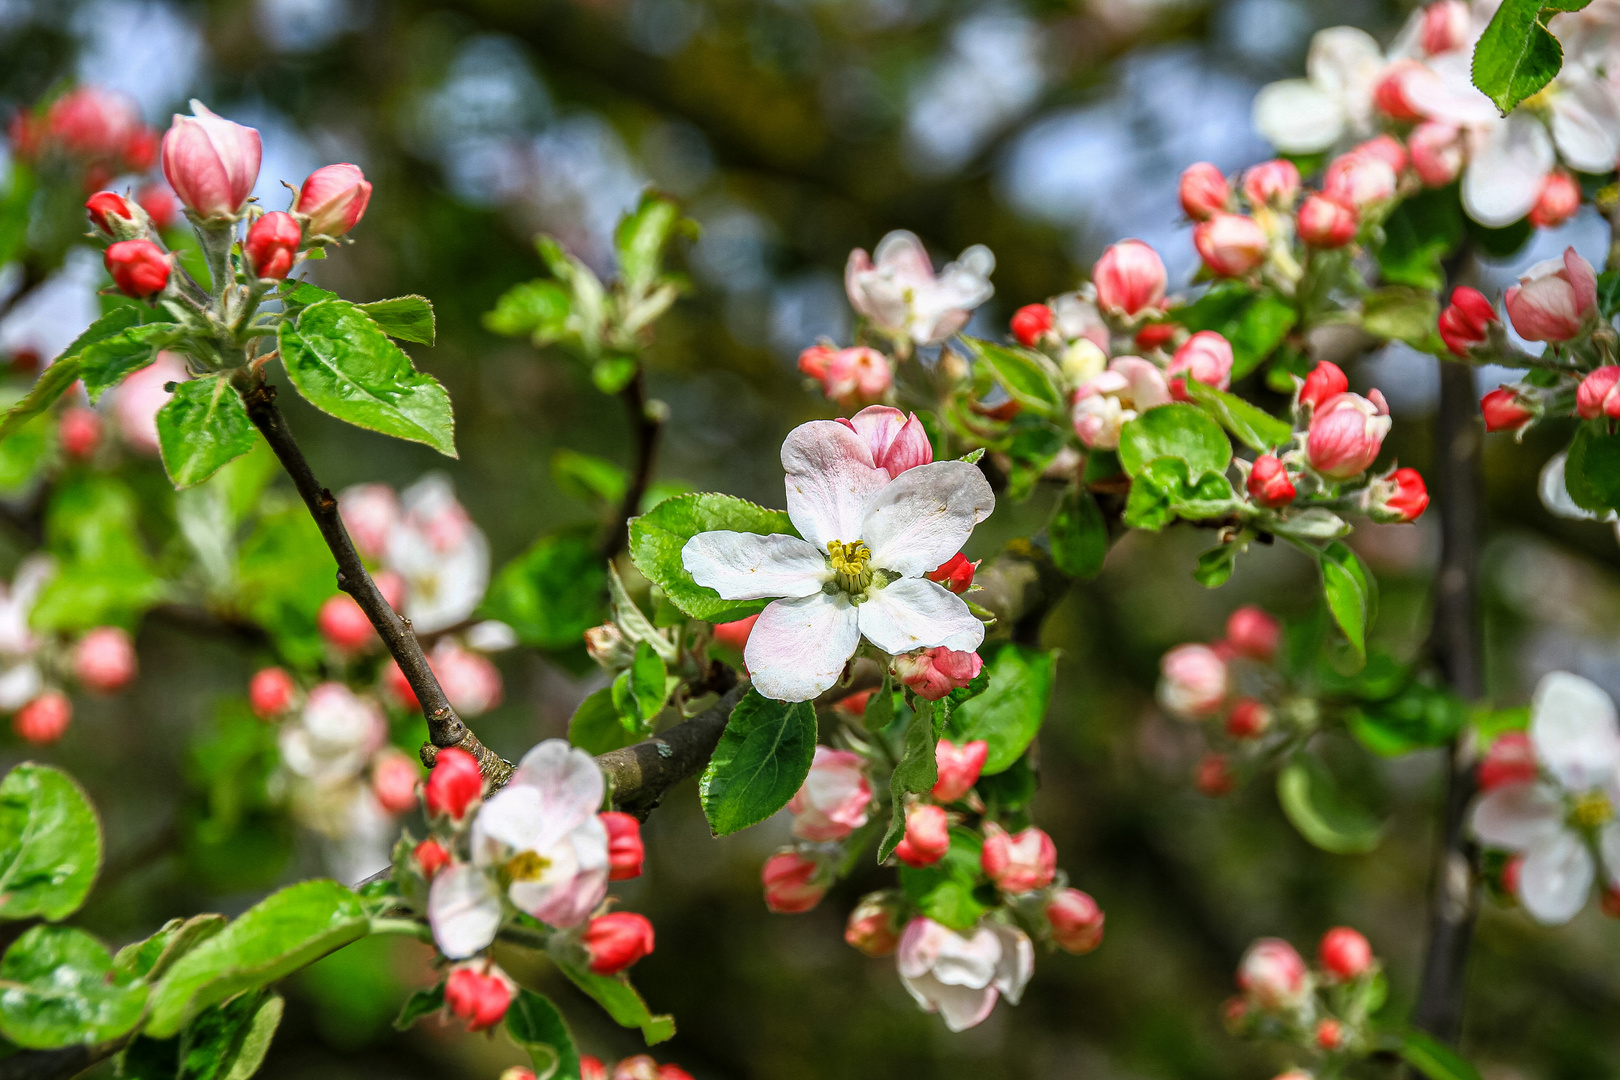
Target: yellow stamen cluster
1591,810
849,560
526,866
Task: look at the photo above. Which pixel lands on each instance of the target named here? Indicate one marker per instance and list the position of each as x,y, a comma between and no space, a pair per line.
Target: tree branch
444,727
642,773
644,429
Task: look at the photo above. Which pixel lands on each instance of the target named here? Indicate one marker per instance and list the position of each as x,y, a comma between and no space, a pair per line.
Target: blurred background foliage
795,130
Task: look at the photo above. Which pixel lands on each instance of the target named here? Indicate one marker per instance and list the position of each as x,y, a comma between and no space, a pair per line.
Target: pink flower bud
1272,183
1466,321
1447,25
1325,222
44,719
617,940
1399,498
1559,199
734,635
211,163
1076,920
855,376
833,800
272,244
1503,411
79,431
625,849
1018,862
958,767
453,784
1344,953
1130,278
933,673
898,441
1156,335
955,573
927,838
1253,633
1192,681
1212,776
1437,152
111,214
1269,484
1030,322
393,781
334,197
344,624
1247,719
1325,380
873,926
1329,1034
101,127
478,997
815,360
1205,357
159,203
792,883
1231,245
1386,148
430,857
1510,760
1273,974
1359,179
1597,396
1346,434
270,693
104,660
1203,190
1552,300
1390,93
854,706
470,680
591,1068
138,267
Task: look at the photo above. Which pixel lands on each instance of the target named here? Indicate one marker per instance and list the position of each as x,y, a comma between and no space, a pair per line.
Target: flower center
527,866
849,564
1591,810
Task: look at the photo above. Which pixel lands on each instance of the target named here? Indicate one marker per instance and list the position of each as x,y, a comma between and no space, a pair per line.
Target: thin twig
644,428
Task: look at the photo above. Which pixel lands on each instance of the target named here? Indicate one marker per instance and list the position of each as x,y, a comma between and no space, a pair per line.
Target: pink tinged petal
1516,817
568,780
1556,879
925,516
900,253
1586,124
575,881
1445,91
968,961
1609,848
919,946
914,613
831,478
1017,961
1574,730
746,566
1505,174
898,442
961,1007
1582,280
464,910
1297,117
799,647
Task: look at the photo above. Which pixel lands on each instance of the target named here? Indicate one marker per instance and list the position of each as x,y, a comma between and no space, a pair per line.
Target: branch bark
644,430
445,728
640,774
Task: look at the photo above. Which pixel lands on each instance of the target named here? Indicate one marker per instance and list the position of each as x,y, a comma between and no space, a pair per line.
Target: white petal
573,883
968,961
746,566
1586,124
799,647
1516,816
925,516
902,255
1609,848
915,613
464,910
568,780
1344,61
962,1007
1505,173
1445,91
1017,962
510,821
1556,879
1573,727
1297,118
830,479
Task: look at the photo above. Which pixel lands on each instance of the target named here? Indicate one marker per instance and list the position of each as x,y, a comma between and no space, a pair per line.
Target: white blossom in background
1563,822
136,400
897,289
1334,100
962,976
20,677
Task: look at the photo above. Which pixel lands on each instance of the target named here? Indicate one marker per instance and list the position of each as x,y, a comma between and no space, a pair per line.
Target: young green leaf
763,757
1178,431
596,725
1215,566
915,773
945,891
615,994
1317,806
1252,425
1009,712
591,479
1079,534
536,308
1402,313
52,383
408,318
1516,56
534,1023
1433,1058
50,844
107,362
1351,592
657,537
1592,469
150,958
421,1003
229,1041
646,683
1029,378
641,237
61,990
202,428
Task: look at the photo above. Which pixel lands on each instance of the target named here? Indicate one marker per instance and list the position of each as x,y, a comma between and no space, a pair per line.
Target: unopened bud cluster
1324,1012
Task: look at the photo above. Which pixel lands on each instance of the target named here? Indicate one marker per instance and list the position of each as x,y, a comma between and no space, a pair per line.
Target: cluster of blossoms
98,134
638,1067
1325,1011
961,971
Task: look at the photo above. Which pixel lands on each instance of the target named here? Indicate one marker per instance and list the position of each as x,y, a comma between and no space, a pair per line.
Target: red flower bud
104,660
1268,484
430,857
1325,381
591,1068
955,573
1253,633
1030,322
334,198
1503,411
1329,1034
1247,719
1213,776
1130,277
791,883
111,214
477,998
210,162
138,267
272,244
1510,760
958,767
159,203
44,719
1076,920
343,623
393,781
1273,974
1401,497
79,431
625,849
1203,190
1271,183
617,940
1231,245
1019,862
1325,222
1466,320
734,635
1559,199
270,693
927,837
454,783
1344,953
1156,335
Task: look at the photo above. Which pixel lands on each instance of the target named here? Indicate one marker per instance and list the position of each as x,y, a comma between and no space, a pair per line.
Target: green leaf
640,239
1215,566
879,712
945,891
282,933
108,362
1592,469
202,428
1318,808
1178,431
421,1003
763,757
1433,1058
657,537
1252,425
150,958
1608,293
1255,323
536,308
613,373
615,994
915,773
534,1023
1351,592
596,726
1029,378
645,685
1079,534
553,592
52,383
408,318
1417,717
1516,56
229,1041
589,478
284,575
104,574
113,323
1009,712
1162,491
61,991
50,844
1402,313
1421,231
344,365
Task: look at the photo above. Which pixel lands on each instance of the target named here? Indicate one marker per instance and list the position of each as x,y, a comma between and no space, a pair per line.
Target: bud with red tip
1360,179
270,693
1076,921
138,267
79,431
1130,278
272,245
104,660
344,624
1330,1034
734,635
334,197
1018,862
479,998
1155,336
1399,498
792,882
1269,484
874,926
1503,411
44,719
430,857
1273,974
1344,953
1510,760
1346,434
955,573
1466,321
1203,190
958,767
1031,322
1272,183
1438,152
1447,25
933,673
1554,299
1597,395
591,1068
454,783
1231,245
1248,719
110,213
617,940
1213,775
927,837
1253,633
1559,199
1391,94
1192,681
1325,222
210,162
1326,380
625,849
393,781
1205,357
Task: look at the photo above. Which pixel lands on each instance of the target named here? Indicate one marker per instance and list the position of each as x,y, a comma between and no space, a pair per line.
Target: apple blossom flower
271,692
868,539
897,440
210,162
453,784
1559,199
1018,862
1247,719
1309,115
1252,632
1272,183
1203,190
933,673
625,849
1231,245
334,197
794,883
1032,322
1390,94
1192,681
961,976
1400,497
44,719
1359,179
1076,921
617,940
1325,222
1564,821
1553,299
872,926
833,800
442,556
271,245
138,398
393,781
1599,394
1326,380
927,836
1438,152
1269,484
1344,953
1346,434
470,680
958,767
20,677
1273,974
1206,357
334,735
900,293
138,267
955,573
1466,321
370,512
1511,759
1106,403
1129,278
78,430
478,994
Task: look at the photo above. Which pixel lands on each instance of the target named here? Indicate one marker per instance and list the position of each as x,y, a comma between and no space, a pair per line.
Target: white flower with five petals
902,296
962,976
867,540
1558,820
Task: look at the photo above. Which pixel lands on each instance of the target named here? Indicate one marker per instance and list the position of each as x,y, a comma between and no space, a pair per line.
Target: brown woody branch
644,429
